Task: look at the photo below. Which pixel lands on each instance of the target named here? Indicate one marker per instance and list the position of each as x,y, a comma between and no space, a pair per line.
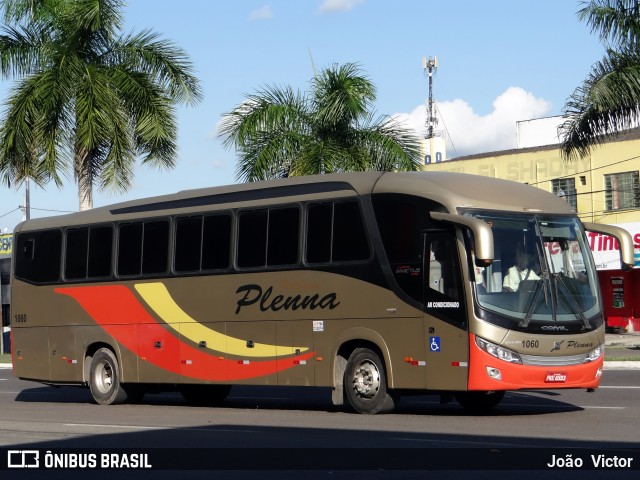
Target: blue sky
499,61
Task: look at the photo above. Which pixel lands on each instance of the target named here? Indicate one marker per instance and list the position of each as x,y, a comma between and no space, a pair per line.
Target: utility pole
26,208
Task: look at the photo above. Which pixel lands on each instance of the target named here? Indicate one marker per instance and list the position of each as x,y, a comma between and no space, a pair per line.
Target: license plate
555,377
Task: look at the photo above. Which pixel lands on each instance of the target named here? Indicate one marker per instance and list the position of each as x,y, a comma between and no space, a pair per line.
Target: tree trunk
84,177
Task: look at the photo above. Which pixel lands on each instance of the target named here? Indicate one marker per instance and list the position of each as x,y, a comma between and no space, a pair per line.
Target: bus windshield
543,277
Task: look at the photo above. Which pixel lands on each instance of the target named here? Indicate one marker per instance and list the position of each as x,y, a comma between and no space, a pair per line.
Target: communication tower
434,145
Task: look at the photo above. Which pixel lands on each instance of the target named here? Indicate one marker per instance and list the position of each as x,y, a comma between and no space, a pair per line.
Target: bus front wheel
479,402
365,383
104,379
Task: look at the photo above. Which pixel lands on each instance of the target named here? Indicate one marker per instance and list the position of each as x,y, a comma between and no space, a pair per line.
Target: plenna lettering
253,294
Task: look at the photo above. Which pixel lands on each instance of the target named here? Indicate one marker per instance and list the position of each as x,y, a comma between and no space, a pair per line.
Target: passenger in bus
520,271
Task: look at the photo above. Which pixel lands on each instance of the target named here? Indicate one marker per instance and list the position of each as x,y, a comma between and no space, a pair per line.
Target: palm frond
615,20
148,52
605,105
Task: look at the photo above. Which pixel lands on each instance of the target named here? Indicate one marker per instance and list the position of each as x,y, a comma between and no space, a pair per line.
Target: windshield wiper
536,297
569,298
537,293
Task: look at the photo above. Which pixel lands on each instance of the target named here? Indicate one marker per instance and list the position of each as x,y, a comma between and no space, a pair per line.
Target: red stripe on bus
116,309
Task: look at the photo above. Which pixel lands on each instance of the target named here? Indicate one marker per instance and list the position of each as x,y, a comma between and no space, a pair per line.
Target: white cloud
264,13
329,6
471,133
218,163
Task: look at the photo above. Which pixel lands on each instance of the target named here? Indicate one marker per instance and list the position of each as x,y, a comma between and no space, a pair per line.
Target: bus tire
205,395
365,383
479,402
104,379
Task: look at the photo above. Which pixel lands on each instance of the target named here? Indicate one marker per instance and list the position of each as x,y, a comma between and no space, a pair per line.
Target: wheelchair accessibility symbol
434,344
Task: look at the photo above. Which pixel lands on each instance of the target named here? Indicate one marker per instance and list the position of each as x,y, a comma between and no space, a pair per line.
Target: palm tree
608,100
278,132
88,97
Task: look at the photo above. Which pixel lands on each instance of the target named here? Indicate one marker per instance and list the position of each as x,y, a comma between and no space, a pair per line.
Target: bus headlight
497,351
594,354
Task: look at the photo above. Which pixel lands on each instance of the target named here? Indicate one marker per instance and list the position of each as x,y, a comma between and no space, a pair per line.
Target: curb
5,365
621,365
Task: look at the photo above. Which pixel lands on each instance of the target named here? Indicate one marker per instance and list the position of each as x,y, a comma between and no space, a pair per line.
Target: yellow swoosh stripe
159,299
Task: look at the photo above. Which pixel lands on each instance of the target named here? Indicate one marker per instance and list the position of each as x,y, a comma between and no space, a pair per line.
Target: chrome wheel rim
103,377
366,379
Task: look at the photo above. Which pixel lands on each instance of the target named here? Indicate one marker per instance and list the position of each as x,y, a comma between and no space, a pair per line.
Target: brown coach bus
374,285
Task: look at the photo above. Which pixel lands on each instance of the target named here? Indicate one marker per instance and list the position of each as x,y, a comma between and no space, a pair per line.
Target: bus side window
443,269
319,226
349,235
284,236
129,249
41,254
155,247
336,233
100,252
88,252
443,293
143,248
75,258
216,242
188,244
252,238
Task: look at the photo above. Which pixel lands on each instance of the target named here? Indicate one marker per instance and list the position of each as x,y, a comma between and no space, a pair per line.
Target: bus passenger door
294,346
445,313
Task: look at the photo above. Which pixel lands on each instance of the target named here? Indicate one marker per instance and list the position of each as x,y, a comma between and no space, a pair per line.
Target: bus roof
453,190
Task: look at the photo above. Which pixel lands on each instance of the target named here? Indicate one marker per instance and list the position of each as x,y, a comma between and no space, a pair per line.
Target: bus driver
519,272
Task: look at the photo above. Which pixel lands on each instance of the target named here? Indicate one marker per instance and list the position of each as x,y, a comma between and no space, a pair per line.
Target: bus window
188,248
252,239
443,293
155,247
38,255
349,236
442,268
284,236
269,237
130,249
75,256
100,252
216,242
319,220
143,248
336,233
88,253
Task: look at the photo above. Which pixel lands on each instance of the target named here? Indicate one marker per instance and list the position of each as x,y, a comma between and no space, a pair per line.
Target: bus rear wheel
365,382
104,379
479,402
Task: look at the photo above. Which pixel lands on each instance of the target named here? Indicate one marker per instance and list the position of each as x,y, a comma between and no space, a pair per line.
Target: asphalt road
37,416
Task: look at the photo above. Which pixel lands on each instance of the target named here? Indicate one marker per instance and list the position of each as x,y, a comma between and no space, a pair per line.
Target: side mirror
624,240
482,235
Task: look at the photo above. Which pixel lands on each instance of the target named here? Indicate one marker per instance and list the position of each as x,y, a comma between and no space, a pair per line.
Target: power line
9,213
446,129
49,210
